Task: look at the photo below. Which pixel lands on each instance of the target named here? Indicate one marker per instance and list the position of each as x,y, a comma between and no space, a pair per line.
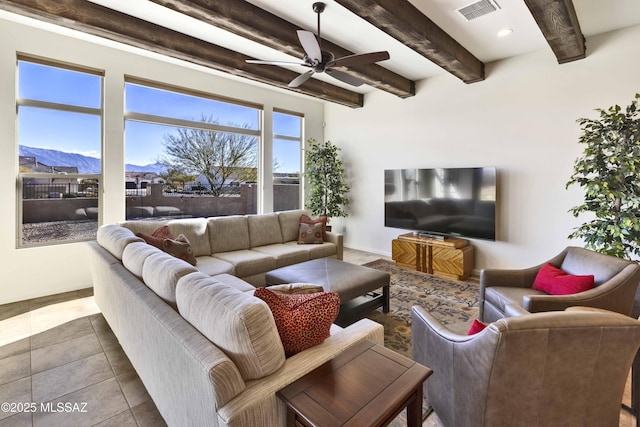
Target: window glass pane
185,172
45,83
147,100
60,138
58,204
287,164
287,125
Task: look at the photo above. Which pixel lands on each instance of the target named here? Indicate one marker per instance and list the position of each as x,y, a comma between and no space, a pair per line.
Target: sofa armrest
337,239
260,394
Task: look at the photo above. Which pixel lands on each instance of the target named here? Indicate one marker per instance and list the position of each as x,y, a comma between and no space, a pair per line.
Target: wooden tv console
452,257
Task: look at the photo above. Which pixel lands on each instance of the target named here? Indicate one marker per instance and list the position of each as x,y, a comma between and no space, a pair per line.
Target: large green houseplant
326,180
609,173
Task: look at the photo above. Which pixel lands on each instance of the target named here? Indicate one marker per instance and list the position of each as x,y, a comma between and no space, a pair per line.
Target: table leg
414,409
385,299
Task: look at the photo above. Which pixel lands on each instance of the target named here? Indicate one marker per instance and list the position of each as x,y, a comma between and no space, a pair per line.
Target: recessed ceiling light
505,32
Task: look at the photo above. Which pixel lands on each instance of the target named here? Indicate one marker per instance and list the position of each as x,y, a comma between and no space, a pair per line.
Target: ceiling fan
319,60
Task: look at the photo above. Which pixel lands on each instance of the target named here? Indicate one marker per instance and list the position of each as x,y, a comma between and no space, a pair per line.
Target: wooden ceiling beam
253,23
404,22
100,21
559,24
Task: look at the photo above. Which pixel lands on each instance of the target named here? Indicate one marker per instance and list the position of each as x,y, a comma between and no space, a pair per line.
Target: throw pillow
303,321
180,247
555,281
297,288
310,234
305,219
476,326
157,237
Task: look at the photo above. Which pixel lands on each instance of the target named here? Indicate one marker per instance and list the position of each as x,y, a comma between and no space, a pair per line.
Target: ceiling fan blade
359,59
258,61
344,77
310,45
301,79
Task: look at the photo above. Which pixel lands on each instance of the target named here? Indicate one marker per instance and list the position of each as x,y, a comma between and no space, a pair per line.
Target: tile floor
60,360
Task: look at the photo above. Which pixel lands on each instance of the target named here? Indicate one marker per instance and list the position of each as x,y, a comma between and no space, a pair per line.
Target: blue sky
80,133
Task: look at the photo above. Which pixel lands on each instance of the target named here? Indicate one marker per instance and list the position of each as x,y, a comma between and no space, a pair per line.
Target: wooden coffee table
367,385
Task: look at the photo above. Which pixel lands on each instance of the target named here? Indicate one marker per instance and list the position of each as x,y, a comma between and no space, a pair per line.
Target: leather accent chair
505,293
561,368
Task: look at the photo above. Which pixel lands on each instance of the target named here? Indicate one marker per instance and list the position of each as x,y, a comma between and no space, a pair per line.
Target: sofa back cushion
228,233
161,272
195,230
264,229
142,226
290,223
115,239
135,254
581,261
238,323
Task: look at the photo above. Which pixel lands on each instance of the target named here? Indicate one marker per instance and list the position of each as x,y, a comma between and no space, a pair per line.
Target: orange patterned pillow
303,321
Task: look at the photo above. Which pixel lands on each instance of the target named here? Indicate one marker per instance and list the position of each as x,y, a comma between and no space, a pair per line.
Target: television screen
458,202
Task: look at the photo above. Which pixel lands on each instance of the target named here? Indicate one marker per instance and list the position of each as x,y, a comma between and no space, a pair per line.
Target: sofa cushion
501,296
297,288
264,230
143,226
181,248
195,229
290,223
211,266
310,234
303,321
326,249
135,254
234,282
248,262
236,322
284,254
228,233
161,273
554,281
114,239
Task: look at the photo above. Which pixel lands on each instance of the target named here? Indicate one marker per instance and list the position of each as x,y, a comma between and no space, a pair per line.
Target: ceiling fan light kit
322,61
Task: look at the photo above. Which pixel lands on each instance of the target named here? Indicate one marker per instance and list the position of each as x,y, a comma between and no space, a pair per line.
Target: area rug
449,301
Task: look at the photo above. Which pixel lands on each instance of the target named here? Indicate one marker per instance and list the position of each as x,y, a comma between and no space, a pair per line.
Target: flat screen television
459,202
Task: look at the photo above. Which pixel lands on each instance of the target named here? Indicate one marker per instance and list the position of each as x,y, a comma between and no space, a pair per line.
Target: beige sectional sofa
205,348
246,246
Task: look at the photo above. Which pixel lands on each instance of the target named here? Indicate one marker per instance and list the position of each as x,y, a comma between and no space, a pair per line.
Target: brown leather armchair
505,293
564,368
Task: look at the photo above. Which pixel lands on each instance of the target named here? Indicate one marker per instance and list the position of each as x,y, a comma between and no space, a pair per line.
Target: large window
287,164
189,154
60,142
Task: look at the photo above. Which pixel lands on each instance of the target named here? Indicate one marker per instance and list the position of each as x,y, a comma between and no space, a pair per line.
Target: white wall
521,119
33,272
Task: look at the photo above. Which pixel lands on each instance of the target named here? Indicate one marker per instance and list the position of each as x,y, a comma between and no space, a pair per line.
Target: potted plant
326,181
608,171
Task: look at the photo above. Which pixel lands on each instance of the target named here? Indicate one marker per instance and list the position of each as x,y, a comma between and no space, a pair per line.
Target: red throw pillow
554,281
157,237
305,219
303,321
476,326
180,247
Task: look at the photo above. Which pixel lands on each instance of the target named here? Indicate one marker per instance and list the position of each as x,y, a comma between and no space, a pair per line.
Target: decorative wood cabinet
452,258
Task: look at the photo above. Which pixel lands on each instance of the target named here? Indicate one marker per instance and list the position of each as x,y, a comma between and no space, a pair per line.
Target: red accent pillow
157,237
554,281
476,326
180,247
305,219
303,321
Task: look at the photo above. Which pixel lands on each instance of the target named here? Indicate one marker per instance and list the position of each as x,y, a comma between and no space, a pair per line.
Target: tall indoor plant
326,180
609,173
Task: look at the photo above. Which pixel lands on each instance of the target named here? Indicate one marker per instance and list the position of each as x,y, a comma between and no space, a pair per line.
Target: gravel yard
58,231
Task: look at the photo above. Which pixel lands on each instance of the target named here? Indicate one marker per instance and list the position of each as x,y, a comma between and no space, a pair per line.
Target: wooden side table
367,385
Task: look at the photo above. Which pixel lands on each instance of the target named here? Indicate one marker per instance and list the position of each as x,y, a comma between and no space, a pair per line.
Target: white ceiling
341,27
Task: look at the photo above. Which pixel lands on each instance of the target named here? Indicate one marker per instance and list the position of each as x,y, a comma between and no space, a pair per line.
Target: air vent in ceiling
478,9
